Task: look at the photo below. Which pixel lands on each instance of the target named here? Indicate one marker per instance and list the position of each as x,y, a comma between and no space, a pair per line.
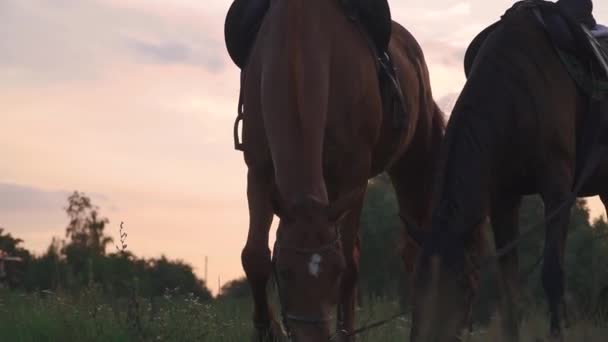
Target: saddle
581,49
245,17
584,53
242,24
373,17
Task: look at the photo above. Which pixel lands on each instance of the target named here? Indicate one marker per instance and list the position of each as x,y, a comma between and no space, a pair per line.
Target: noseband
285,314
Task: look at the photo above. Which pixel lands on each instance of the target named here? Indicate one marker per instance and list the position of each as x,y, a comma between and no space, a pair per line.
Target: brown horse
314,132
516,130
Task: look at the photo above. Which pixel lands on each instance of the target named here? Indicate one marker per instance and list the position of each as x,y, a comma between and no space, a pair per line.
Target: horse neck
462,189
295,95
480,141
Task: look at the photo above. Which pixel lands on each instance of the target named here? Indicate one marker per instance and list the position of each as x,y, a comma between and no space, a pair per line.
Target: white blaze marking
313,265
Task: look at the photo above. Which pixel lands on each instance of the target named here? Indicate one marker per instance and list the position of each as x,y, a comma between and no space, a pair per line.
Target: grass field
90,317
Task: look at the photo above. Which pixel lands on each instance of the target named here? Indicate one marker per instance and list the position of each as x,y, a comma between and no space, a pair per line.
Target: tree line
81,260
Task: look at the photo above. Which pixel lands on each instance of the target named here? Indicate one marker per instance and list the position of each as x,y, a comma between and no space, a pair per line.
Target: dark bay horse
314,132
514,131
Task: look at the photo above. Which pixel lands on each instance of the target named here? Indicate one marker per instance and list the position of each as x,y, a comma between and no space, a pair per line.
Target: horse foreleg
555,192
505,226
351,247
411,180
255,256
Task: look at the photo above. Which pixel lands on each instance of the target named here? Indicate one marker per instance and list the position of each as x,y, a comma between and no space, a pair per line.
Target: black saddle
563,29
242,24
245,17
581,54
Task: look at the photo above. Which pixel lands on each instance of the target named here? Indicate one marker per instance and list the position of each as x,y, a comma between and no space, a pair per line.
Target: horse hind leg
555,191
255,256
505,226
411,183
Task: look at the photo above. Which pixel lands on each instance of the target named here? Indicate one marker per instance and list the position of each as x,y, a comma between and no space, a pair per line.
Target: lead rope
376,324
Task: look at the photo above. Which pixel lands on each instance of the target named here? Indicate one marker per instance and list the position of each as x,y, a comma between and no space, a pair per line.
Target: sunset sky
133,101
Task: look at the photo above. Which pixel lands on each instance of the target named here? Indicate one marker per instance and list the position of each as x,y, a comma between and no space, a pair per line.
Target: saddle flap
242,24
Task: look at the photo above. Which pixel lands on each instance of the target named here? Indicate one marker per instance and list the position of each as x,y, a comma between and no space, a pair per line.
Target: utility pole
206,268
219,289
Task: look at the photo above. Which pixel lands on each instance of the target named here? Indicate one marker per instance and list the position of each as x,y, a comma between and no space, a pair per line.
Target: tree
86,227
82,261
9,244
238,288
13,272
382,273
163,274
87,240
48,271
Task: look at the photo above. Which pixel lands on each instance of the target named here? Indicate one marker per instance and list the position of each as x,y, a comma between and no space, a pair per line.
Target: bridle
287,316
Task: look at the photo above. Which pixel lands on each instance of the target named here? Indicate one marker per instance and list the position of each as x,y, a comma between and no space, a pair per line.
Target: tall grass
91,316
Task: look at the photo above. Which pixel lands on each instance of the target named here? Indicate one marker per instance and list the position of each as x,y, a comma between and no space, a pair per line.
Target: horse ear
337,210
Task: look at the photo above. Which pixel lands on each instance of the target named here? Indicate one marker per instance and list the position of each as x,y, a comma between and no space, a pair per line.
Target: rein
373,325
596,156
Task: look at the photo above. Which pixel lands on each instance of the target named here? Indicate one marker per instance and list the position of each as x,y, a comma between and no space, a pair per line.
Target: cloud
15,197
173,52
169,52
446,103
32,214
440,52
48,41
456,10
26,198
36,215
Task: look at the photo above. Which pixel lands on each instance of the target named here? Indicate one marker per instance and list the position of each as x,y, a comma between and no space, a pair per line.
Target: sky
133,102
